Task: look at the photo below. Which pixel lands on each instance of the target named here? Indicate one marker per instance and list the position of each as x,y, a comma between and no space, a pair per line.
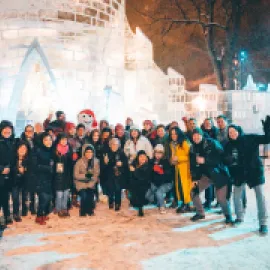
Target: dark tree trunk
210,43
232,42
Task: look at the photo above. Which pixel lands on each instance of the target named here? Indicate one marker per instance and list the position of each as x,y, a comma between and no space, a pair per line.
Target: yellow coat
182,169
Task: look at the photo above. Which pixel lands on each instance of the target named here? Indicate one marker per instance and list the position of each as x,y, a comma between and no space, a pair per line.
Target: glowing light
199,103
243,55
262,87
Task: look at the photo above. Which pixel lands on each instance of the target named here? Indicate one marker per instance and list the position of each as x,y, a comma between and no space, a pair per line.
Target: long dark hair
42,137
90,138
106,129
19,144
140,153
181,137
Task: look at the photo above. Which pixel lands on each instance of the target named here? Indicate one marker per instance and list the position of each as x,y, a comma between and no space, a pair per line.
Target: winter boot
217,205
111,205
117,207
140,212
263,230
8,220
61,214
238,221
181,209
173,204
197,217
207,205
190,208
17,218
229,220
38,219
3,227
42,220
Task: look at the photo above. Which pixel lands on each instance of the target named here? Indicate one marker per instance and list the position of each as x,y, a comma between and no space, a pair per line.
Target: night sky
185,49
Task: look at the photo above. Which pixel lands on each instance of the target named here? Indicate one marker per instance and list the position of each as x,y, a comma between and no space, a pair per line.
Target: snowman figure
88,119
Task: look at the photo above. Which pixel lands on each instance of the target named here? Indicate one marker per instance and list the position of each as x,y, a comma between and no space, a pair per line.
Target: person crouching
86,175
161,180
140,181
206,165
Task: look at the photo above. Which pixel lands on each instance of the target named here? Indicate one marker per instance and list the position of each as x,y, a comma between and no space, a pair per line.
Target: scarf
62,149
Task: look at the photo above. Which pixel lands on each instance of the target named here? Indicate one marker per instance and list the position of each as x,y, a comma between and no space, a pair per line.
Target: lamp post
235,68
107,90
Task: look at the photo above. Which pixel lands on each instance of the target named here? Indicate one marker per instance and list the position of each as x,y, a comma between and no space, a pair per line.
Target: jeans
32,198
4,200
87,201
44,200
114,191
221,194
158,193
115,196
261,204
16,192
61,201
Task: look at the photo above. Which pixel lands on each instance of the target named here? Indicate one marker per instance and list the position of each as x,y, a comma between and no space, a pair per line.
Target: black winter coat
250,169
234,159
30,183
122,140
44,169
63,180
104,149
139,184
97,147
57,126
18,179
117,176
214,167
159,179
7,150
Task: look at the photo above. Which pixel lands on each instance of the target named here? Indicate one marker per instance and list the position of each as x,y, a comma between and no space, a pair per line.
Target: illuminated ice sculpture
59,55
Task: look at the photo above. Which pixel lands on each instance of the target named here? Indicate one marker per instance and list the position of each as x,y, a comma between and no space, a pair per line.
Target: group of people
56,165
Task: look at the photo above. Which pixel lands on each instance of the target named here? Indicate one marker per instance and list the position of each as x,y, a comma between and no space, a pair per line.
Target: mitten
158,169
266,125
75,156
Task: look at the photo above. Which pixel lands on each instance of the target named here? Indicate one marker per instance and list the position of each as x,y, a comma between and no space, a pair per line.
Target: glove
196,190
266,124
88,175
158,169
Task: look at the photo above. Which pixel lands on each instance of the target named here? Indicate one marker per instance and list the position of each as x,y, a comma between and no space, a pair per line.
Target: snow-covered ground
121,240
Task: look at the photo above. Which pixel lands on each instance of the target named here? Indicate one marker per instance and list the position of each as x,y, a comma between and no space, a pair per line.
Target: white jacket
132,149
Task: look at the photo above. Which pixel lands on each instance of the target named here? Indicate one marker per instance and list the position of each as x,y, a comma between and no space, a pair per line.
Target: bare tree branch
178,5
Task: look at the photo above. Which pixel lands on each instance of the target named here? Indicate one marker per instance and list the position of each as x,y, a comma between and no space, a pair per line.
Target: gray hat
159,148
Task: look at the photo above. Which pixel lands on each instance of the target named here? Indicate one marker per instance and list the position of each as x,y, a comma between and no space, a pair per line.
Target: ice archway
34,55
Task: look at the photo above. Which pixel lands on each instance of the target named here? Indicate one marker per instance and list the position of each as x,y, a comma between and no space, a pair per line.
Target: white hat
159,148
